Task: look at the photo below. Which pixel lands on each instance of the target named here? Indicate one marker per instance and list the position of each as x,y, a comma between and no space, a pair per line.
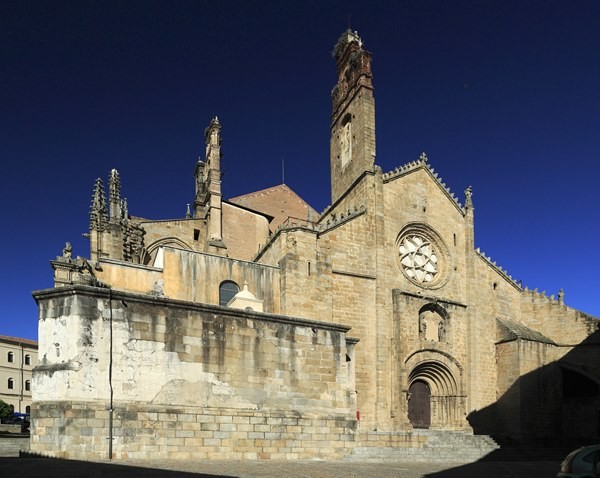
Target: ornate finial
188,213
423,157
469,197
561,296
125,208
114,185
67,251
115,206
98,215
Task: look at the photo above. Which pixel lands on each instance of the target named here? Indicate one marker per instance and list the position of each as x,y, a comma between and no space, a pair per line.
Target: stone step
440,446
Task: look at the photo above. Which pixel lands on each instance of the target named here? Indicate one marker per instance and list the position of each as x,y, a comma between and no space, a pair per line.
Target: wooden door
419,405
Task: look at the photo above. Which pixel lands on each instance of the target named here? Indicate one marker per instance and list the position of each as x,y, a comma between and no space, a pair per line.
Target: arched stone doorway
434,396
419,404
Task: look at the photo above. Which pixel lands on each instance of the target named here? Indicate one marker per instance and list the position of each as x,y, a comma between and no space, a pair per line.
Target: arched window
433,321
227,291
27,359
11,384
28,409
346,140
11,357
28,385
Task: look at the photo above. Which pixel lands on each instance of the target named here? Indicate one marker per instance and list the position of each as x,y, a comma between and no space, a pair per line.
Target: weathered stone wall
170,354
196,277
192,276
130,277
306,282
349,237
80,430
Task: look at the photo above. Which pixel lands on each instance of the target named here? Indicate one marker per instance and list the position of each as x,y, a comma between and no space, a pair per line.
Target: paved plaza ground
53,468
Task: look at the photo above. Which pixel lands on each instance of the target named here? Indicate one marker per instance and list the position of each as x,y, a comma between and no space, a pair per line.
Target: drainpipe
110,365
22,373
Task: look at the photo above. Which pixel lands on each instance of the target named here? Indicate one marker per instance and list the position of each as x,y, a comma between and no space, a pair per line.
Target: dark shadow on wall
41,467
540,418
556,406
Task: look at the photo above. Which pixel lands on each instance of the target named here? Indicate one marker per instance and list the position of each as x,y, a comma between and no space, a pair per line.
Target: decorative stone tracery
418,258
423,256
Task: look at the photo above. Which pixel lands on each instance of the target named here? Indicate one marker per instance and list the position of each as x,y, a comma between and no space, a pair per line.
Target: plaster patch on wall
209,392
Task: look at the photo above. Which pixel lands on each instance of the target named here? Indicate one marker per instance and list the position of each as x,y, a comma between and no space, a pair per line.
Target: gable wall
243,232
405,198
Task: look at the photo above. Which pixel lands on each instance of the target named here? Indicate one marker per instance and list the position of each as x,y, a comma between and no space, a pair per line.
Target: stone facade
355,329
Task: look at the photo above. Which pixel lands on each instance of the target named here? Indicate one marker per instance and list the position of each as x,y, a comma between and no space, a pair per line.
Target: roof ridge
18,339
262,191
278,187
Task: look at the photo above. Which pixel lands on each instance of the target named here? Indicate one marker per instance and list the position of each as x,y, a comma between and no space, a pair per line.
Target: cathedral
256,328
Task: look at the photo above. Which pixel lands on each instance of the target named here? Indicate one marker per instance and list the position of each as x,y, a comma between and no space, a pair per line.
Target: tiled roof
280,202
514,330
17,340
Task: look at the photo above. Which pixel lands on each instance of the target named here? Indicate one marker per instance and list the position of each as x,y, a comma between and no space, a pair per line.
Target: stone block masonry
80,430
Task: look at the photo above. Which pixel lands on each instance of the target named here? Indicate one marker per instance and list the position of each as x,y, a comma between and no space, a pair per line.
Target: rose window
418,258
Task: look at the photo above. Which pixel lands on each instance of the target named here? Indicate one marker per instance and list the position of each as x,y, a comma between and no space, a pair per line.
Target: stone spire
98,216
115,203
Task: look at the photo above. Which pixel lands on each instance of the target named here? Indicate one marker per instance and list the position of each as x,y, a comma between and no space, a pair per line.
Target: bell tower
352,144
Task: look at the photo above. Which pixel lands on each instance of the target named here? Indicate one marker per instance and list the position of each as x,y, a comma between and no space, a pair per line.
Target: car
581,463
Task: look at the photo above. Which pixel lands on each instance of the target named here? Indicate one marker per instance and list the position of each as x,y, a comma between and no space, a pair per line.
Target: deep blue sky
502,95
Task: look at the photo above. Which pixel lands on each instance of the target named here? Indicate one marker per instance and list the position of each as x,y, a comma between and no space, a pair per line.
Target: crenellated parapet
503,272
337,219
536,295
294,224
